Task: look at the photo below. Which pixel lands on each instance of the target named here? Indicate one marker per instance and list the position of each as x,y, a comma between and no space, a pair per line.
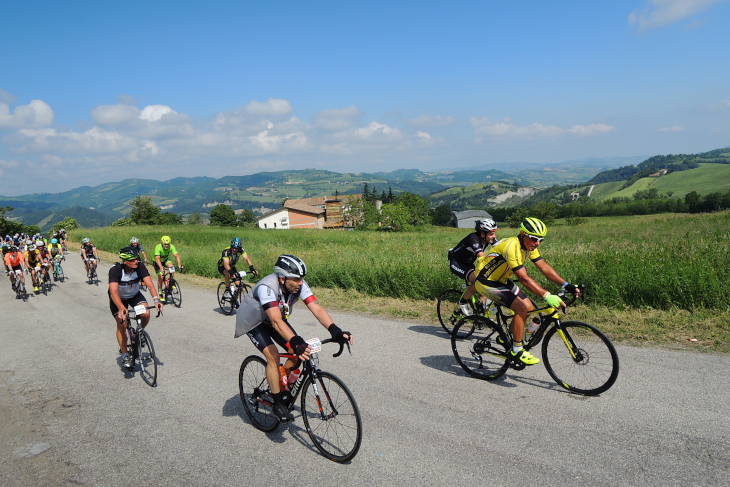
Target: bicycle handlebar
342,346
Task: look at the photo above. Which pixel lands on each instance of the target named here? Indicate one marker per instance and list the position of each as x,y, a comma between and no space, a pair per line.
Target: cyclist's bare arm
277,321
551,274
177,256
323,316
114,294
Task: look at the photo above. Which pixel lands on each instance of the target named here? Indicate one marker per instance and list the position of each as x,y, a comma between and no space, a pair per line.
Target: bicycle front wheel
224,299
331,417
175,293
61,277
480,346
587,364
147,358
448,310
256,395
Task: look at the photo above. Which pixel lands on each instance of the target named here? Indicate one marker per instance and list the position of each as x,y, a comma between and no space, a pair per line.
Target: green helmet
533,226
128,253
165,240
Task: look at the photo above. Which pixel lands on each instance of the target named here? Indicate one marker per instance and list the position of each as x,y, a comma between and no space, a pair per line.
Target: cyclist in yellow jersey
507,258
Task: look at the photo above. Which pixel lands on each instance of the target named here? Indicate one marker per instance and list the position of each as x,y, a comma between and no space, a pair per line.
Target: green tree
417,207
223,216
441,215
396,217
122,222
143,211
67,224
362,214
195,219
247,218
168,218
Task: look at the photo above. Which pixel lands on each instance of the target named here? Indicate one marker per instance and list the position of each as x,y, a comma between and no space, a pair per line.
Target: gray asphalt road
71,415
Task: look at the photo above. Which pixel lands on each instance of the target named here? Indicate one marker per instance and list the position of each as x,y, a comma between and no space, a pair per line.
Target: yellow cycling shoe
524,356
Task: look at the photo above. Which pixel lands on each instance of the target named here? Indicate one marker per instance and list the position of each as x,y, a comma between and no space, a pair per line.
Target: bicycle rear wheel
175,293
147,358
332,417
225,299
480,346
256,395
448,309
591,368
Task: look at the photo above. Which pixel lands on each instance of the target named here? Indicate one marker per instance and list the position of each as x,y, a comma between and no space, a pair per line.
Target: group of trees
398,212
224,216
10,227
145,213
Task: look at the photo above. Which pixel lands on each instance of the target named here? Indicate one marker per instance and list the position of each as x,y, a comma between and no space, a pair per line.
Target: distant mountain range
261,192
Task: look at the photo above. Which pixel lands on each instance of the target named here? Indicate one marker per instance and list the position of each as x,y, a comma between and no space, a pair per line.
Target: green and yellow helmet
128,253
165,240
533,226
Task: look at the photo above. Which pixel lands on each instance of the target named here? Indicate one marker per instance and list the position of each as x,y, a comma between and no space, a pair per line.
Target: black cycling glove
570,288
337,333
297,344
253,271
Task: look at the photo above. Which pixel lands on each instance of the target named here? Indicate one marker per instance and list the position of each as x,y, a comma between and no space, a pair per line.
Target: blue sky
92,92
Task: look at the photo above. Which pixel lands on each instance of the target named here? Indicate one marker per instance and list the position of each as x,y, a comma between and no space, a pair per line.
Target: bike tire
476,349
174,293
61,277
595,370
243,290
339,434
448,310
146,358
256,395
224,299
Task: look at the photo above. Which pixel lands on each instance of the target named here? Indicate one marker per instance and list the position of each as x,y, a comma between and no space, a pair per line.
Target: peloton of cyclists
263,317
507,258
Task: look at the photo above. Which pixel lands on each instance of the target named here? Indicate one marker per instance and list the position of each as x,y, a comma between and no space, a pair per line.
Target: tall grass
659,261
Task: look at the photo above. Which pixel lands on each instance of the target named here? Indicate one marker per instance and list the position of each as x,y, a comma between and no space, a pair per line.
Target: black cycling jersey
232,258
466,251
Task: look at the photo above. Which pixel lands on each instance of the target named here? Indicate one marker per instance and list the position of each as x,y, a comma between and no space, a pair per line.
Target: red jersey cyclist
506,258
264,315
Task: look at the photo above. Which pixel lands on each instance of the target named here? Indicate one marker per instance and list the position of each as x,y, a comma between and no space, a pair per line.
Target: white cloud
675,128
6,98
115,114
35,114
273,107
378,131
423,135
337,118
153,113
508,129
657,13
431,121
94,140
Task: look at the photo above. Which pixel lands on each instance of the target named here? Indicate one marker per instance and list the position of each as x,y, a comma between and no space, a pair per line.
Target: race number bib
315,344
140,309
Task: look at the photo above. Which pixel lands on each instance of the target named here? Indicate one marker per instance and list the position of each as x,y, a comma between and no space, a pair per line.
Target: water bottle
293,377
532,328
283,380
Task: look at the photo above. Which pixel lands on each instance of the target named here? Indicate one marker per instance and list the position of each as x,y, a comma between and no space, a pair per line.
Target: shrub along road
68,412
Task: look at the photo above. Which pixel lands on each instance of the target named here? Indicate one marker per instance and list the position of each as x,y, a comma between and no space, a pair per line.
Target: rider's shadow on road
448,364
432,330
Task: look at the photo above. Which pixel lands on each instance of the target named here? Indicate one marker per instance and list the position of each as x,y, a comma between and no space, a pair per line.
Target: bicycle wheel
224,299
175,293
61,277
332,417
480,346
255,394
594,368
147,358
243,290
448,309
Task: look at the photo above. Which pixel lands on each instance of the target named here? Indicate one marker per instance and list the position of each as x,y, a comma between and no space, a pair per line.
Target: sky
93,92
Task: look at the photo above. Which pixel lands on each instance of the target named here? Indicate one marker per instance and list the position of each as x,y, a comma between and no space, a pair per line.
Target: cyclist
7,244
506,258
56,252
33,262
124,280
163,251
89,255
462,257
134,243
264,317
228,260
14,262
46,260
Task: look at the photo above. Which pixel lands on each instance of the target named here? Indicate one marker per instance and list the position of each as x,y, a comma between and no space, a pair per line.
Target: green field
653,261
706,179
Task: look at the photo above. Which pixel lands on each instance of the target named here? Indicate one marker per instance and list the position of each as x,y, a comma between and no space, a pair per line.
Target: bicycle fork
569,343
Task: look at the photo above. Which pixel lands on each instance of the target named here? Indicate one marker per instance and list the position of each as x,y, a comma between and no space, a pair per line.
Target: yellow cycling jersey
33,258
505,257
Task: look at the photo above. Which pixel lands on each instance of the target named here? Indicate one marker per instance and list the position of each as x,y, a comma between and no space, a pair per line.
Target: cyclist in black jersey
228,260
462,257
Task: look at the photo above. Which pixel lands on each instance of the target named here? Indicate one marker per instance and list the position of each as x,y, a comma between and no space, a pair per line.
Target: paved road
71,415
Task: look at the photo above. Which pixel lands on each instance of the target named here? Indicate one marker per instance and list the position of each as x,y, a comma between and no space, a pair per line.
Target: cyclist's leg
121,327
136,300
158,270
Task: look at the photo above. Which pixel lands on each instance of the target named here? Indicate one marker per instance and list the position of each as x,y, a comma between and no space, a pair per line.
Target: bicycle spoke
480,347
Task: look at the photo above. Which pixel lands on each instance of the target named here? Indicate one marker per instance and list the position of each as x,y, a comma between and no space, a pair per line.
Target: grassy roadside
669,329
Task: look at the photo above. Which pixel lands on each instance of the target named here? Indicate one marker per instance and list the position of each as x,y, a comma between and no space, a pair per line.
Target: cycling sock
277,397
516,347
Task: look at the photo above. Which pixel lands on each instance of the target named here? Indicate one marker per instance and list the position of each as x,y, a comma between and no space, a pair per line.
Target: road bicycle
448,309
171,288
578,356
139,345
329,410
92,276
19,287
45,278
227,301
57,269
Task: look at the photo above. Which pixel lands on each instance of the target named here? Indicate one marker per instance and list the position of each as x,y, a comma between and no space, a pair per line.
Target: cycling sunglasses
536,239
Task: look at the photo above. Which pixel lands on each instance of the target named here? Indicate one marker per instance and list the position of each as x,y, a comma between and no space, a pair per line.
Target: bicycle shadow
220,312
433,330
233,407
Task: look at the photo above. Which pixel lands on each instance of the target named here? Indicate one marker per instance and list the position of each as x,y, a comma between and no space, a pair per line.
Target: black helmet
486,225
129,253
290,266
